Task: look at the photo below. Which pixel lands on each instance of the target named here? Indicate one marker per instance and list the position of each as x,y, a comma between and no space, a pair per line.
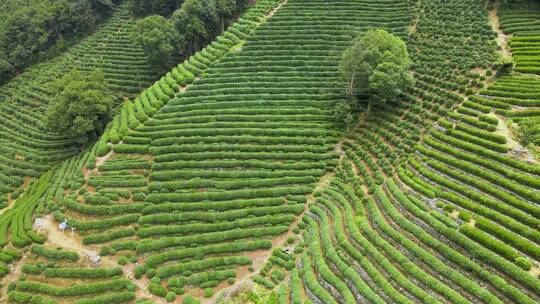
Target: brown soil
68,241
15,268
142,284
259,257
511,143
479,71
535,271
502,38
454,214
103,159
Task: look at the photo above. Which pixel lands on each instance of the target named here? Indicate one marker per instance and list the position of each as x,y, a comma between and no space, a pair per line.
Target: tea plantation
27,147
229,180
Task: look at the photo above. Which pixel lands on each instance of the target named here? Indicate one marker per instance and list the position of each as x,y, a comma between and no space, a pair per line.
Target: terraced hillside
521,25
223,167
47,194
27,148
457,222
47,269
516,96
230,169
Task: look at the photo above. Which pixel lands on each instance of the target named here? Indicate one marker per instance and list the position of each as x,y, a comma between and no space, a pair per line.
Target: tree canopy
526,131
158,39
31,30
193,25
82,107
199,21
377,66
153,7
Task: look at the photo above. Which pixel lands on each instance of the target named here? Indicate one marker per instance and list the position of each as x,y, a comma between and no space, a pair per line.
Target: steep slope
516,96
201,175
224,167
456,221
27,148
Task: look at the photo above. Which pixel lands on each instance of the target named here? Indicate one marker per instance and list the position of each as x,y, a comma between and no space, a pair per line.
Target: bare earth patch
516,149
454,214
502,38
68,241
535,271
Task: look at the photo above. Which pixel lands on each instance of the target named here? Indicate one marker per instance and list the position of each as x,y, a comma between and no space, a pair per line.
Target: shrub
291,240
150,273
54,253
157,289
524,263
170,297
123,260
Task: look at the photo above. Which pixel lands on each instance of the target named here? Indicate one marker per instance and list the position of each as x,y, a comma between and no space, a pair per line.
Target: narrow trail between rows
502,38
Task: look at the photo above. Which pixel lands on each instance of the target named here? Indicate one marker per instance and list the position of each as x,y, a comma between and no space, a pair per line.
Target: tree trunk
368,106
222,23
351,88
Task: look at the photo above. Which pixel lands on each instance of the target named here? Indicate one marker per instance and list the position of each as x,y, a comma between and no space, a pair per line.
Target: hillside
27,147
229,180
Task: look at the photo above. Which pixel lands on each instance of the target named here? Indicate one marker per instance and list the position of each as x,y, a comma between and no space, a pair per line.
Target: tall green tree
226,8
526,131
376,65
196,22
82,107
199,21
158,39
6,69
153,7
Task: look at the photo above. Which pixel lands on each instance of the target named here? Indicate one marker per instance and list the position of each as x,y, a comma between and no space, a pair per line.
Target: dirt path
276,9
68,241
502,38
15,268
515,148
535,271
142,285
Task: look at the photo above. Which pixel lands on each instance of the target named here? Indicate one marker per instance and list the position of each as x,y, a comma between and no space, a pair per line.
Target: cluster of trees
192,26
158,39
31,30
376,65
82,106
153,7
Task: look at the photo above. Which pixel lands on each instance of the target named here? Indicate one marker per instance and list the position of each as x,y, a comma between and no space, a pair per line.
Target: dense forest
33,30
177,29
